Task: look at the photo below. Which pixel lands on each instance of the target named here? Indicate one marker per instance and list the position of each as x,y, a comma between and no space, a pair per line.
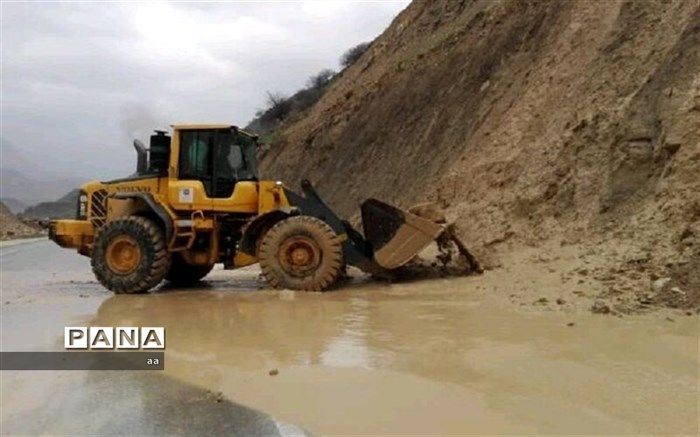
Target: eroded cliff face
529,121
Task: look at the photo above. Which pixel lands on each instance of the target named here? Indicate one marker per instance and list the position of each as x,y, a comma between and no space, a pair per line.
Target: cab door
191,189
235,187
210,168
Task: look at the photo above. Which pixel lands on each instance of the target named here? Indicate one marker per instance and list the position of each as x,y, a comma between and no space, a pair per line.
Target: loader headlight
82,206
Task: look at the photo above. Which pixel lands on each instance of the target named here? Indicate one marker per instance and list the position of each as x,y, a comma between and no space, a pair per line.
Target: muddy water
43,289
427,357
442,356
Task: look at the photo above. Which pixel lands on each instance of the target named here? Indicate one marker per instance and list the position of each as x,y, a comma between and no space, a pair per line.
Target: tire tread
331,248
158,259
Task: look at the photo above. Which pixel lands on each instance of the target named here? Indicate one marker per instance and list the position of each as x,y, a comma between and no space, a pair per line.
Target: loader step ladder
183,235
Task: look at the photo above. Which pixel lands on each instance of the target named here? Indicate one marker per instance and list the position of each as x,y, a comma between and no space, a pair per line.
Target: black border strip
82,360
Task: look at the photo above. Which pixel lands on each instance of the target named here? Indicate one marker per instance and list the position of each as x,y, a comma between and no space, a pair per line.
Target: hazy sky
80,79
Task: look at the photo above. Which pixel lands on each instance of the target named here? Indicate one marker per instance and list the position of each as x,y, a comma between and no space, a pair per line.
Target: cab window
217,158
196,148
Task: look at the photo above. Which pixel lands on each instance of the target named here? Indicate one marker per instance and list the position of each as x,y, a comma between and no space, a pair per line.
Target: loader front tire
130,255
181,273
301,253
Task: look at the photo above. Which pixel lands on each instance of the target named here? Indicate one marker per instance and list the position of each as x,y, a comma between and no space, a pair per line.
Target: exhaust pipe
141,157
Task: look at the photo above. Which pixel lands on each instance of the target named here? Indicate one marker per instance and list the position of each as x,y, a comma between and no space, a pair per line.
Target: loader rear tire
301,253
130,255
181,273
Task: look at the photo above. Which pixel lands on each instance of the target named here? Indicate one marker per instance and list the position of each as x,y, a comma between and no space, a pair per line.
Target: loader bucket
396,236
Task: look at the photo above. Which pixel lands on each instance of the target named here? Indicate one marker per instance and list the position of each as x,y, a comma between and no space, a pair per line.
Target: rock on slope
12,227
531,121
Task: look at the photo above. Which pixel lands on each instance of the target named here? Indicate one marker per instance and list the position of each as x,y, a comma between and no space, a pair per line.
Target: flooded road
439,356
44,289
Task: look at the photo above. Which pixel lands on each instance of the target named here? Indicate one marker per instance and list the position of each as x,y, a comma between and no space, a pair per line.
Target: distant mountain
31,189
15,206
29,180
65,207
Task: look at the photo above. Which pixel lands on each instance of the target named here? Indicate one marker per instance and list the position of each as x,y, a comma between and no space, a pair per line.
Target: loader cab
216,156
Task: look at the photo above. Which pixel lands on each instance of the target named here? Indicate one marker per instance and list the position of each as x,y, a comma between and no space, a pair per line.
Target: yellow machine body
185,202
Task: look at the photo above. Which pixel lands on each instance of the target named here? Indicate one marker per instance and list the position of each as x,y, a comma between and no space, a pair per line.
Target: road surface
439,356
45,288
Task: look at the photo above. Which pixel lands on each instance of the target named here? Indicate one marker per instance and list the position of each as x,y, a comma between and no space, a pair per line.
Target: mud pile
528,121
12,227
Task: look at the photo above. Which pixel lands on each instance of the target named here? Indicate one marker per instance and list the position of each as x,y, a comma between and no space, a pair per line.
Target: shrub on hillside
320,79
352,55
279,107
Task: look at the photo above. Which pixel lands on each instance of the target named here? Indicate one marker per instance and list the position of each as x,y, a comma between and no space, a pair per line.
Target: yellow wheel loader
195,200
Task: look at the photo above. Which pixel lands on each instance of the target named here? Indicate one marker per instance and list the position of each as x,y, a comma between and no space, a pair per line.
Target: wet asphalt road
441,356
43,290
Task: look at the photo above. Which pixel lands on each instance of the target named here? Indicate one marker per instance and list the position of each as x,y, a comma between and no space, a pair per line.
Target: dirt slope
12,227
577,122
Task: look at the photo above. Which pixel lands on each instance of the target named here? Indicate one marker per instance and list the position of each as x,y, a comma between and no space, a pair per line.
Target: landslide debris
530,122
12,227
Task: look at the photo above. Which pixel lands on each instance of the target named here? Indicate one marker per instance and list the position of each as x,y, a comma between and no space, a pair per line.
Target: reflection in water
431,346
349,349
241,329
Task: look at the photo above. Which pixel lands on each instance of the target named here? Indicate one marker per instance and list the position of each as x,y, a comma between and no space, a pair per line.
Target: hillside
64,207
15,206
532,122
34,187
11,227
26,178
